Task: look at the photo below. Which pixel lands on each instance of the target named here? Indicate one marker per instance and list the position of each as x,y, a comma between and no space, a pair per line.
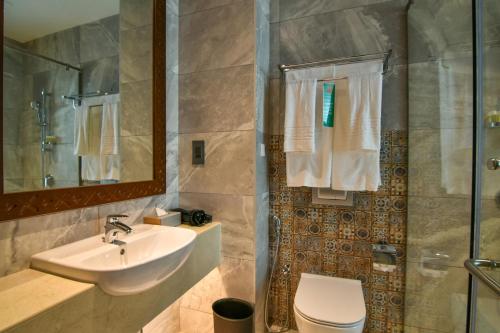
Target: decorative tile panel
336,241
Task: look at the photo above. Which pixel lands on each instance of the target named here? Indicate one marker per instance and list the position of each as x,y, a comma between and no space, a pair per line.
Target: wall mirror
82,87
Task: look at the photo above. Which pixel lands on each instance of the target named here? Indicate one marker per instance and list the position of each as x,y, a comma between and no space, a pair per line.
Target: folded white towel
102,160
356,137
110,131
81,131
313,169
300,108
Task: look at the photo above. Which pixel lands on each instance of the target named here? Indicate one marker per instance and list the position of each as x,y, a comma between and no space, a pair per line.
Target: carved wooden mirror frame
25,204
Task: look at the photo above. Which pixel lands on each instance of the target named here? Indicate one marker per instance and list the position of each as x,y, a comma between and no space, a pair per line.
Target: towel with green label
328,104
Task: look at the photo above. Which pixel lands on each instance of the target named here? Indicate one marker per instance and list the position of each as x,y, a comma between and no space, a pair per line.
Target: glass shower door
485,267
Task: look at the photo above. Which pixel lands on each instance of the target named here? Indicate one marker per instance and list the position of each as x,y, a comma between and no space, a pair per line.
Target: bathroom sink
147,256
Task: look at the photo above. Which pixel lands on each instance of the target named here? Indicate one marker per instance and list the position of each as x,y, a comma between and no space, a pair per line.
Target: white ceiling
26,20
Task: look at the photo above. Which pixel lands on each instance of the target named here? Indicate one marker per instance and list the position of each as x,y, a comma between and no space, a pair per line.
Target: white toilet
326,304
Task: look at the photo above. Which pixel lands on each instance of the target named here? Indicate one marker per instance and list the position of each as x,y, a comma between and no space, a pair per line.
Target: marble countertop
28,293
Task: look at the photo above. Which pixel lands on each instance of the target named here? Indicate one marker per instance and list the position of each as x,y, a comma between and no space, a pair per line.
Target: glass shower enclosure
454,187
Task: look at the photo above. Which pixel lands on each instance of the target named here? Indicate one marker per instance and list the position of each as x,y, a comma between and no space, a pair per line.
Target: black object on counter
194,217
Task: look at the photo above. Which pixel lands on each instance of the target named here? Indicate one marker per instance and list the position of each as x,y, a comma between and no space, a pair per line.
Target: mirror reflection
77,93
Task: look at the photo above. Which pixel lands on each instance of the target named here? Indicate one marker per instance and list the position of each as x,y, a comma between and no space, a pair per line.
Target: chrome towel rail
473,266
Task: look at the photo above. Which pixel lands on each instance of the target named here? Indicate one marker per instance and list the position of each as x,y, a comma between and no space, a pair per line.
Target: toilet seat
329,324
330,301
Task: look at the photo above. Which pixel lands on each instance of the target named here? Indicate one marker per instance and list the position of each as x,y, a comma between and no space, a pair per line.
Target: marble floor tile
193,321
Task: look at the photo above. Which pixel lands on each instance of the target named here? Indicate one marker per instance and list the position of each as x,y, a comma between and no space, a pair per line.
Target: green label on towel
328,104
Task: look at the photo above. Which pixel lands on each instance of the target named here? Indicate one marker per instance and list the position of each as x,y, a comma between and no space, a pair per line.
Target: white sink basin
150,254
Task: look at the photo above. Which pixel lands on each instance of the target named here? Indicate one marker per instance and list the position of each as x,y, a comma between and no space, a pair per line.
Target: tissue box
171,219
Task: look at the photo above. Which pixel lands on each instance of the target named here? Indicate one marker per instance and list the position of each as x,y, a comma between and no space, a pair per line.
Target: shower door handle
474,268
493,164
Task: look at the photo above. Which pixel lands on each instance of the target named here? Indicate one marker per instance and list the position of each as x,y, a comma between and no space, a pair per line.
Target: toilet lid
330,300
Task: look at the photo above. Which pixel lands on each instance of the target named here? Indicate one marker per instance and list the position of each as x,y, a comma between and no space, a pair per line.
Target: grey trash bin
232,315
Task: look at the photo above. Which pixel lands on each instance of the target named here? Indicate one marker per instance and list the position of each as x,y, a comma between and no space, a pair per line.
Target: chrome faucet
113,227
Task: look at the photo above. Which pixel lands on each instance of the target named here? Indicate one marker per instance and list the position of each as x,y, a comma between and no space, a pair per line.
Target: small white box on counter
170,219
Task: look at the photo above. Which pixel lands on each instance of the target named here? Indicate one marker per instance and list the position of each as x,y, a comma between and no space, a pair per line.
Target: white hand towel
81,130
110,131
300,108
102,161
356,137
313,169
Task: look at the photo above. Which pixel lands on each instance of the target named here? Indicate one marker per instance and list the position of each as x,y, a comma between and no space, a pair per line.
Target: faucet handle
115,218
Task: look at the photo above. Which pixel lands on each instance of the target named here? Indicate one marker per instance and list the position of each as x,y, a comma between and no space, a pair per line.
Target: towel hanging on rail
357,131
301,107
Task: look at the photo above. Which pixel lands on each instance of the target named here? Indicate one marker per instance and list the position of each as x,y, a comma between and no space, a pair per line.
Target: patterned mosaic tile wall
336,241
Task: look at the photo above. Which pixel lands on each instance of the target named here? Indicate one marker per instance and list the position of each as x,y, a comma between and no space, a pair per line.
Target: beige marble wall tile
438,225
229,163
22,238
218,100
99,39
331,35
217,38
32,161
135,13
134,209
62,163
233,278
136,107
12,161
136,56
172,96
425,164
431,302
136,158
191,6
236,213
172,168
289,9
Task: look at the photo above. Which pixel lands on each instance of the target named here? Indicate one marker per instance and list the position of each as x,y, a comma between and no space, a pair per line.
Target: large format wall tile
217,38
438,225
101,75
235,212
434,31
289,9
359,31
136,107
191,6
136,54
20,239
219,100
436,302
136,158
233,278
135,13
229,163
99,39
